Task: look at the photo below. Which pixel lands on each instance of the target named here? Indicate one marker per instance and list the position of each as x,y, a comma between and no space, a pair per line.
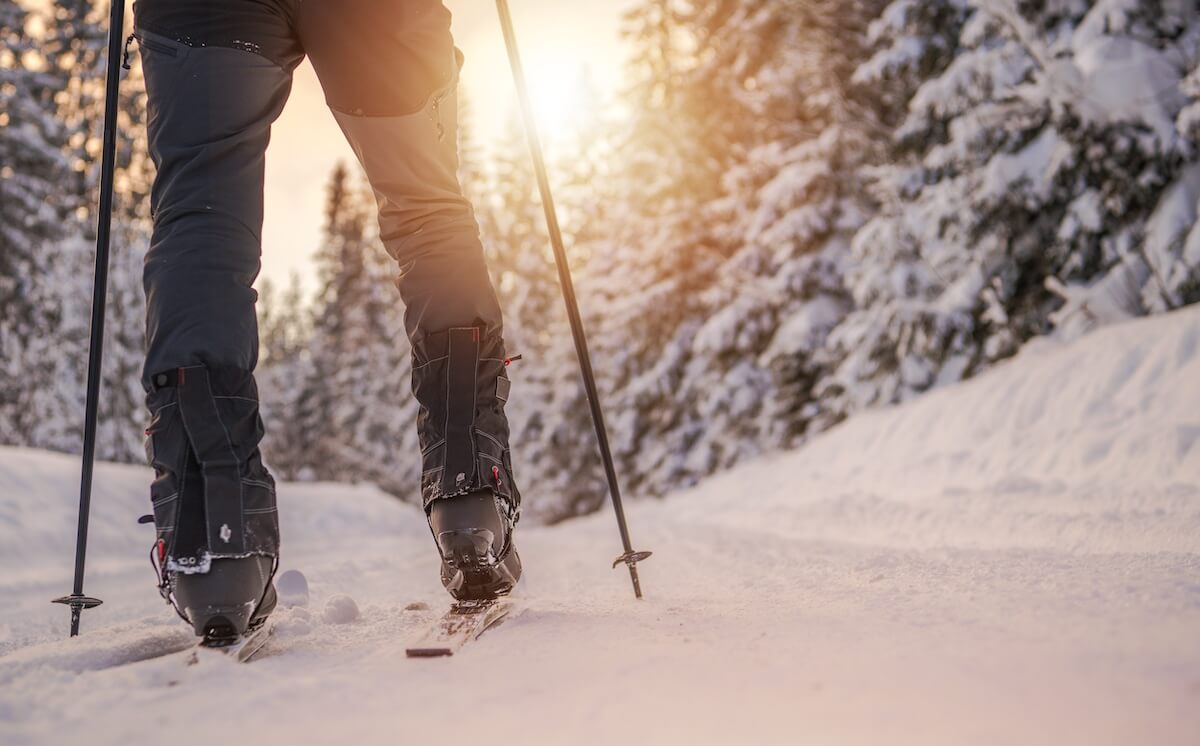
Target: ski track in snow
1011,560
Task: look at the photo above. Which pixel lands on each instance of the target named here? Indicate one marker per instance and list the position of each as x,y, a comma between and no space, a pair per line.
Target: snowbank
1088,446
1009,560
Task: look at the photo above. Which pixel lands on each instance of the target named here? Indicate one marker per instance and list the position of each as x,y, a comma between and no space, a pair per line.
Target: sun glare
562,101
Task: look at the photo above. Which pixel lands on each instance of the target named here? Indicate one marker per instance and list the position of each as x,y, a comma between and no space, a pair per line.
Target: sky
559,39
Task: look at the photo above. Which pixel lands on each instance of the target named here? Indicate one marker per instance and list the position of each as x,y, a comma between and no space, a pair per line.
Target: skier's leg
390,72
216,78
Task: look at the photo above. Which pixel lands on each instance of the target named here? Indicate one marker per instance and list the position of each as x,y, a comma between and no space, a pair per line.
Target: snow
806,327
1014,559
1032,168
1124,79
341,609
1168,229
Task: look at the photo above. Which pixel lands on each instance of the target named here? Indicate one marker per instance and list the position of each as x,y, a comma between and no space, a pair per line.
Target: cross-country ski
241,648
464,622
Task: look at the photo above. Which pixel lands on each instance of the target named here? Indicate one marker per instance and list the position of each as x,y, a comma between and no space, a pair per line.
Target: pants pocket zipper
155,46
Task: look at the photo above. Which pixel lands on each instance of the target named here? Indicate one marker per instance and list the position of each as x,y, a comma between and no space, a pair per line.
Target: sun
563,100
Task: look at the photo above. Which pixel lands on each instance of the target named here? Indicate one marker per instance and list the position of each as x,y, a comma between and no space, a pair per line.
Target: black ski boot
234,597
479,561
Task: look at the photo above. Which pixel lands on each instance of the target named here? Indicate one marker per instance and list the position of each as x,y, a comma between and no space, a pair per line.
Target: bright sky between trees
560,41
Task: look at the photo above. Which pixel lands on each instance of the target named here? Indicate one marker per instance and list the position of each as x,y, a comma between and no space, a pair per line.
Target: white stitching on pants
432,448
164,500
430,362
489,437
159,411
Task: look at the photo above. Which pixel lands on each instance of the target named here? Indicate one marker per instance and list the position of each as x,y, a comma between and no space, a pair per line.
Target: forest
810,208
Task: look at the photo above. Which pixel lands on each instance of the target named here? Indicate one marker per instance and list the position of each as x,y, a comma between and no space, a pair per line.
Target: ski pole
630,558
116,23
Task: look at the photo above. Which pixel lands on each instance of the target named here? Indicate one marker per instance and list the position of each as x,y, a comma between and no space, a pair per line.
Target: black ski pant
218,73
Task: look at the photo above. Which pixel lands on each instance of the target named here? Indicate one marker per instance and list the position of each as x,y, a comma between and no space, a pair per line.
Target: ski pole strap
219,466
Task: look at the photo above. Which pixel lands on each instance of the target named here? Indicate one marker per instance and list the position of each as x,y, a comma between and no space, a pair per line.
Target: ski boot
234,598
479,562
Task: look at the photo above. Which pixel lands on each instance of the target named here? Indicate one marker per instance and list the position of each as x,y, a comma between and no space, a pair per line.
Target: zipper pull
125,58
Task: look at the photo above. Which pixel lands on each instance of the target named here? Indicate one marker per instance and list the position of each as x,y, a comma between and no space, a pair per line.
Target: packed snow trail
1011,560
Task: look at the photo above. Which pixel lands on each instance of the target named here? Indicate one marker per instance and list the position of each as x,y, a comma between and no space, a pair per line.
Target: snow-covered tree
1037,141
59,54
285,332
344,407
792,200
32,164
813,207
75,47
740,189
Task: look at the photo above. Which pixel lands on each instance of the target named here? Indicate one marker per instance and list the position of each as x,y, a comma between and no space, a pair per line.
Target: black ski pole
116,23
630,558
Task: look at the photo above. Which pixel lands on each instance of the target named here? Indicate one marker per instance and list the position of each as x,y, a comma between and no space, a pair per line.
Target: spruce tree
285,333
339,262
32,165
354,412
646,276
1036,141
745,155
74,48
800,135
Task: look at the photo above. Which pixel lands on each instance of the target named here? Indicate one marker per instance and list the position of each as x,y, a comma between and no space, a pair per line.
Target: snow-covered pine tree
32,165
285,333
1135,67
741,192
1173,241
74,48
586,186
657,254
553,439
356,415
380,412
339,263
1035,141
798,136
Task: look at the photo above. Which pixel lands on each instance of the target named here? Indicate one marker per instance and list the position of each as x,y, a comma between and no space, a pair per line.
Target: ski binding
241,648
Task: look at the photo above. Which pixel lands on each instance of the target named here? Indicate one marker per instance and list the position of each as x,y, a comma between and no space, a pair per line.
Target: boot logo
462,477
225,534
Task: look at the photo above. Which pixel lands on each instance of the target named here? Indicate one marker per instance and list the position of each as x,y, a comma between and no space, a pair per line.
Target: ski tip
292,588
440,652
